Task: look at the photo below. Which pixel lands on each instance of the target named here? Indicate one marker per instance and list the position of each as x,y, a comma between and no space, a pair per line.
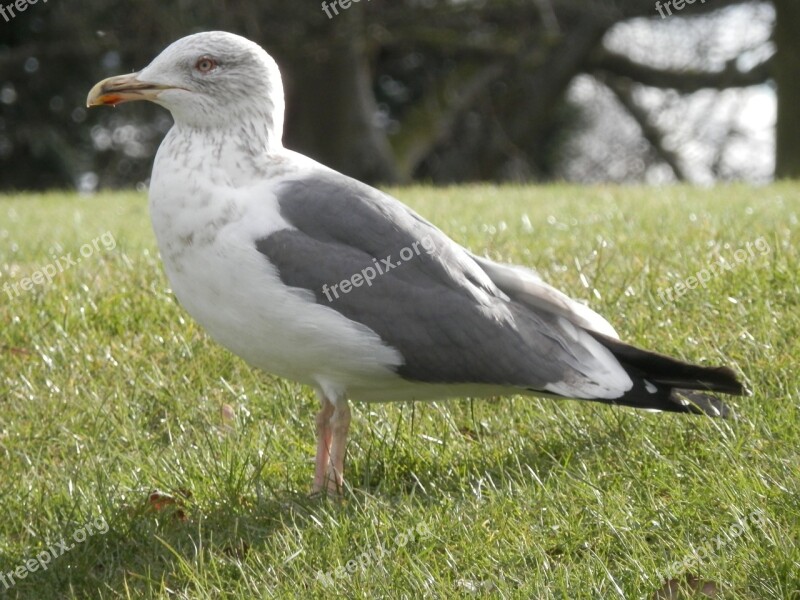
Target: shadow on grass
398,471
165,546
147,549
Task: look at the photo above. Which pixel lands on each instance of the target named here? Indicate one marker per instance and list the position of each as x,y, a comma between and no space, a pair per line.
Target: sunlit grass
109,391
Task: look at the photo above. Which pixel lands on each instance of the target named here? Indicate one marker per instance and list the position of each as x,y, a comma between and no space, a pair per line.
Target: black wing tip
700,403
726,381
673,372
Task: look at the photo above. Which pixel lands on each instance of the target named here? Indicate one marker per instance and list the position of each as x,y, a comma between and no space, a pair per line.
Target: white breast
206,230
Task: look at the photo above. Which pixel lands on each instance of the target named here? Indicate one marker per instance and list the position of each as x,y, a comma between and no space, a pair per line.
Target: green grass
109,391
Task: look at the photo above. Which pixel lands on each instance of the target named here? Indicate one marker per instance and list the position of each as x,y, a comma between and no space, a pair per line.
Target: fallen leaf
228,417
17,351
158,501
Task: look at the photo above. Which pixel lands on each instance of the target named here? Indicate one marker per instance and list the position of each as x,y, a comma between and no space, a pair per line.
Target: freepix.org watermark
369,274
703,276
9,11
343,4
678,5
45,274
712,547
43,559
373,556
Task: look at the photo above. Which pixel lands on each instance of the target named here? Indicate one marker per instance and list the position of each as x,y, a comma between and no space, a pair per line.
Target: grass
109,391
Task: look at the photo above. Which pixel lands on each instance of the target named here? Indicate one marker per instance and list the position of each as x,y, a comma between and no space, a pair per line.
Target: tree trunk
787,69
331,113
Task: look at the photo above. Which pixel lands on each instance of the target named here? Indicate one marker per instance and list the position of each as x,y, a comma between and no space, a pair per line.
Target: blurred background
394,91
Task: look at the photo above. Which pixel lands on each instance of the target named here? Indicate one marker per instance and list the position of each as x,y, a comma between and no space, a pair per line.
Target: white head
211,80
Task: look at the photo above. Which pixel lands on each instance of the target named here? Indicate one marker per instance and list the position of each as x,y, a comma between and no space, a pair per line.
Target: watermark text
45,274
678,5
369,274
19,5
708,549
343,4
372,556
703,276
43,559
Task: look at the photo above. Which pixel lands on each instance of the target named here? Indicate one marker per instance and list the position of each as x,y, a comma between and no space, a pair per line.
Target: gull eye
205,64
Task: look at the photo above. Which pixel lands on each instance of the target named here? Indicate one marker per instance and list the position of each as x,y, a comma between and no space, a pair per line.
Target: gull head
209,80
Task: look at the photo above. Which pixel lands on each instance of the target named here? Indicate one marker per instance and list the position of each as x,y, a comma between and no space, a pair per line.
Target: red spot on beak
112,99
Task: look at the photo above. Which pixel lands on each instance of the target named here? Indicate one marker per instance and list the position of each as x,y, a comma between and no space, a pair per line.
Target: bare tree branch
621,88
685,81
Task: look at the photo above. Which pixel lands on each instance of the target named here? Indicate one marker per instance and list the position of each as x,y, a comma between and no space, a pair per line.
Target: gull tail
669,384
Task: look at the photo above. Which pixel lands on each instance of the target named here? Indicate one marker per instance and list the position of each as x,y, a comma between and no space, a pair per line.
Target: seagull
316,277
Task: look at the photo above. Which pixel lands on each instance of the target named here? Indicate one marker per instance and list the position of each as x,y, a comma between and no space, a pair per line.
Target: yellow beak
123,88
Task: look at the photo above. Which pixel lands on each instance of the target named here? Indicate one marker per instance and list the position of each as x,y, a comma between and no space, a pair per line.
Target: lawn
141,460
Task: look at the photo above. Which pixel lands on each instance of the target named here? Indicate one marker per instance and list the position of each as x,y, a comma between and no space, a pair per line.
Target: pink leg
323,443
340,425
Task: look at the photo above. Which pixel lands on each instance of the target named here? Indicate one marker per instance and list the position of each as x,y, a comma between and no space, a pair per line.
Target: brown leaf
17,351
159,501
228,417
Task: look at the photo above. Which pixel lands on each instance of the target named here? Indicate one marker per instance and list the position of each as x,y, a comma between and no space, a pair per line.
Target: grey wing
435,305
526,287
